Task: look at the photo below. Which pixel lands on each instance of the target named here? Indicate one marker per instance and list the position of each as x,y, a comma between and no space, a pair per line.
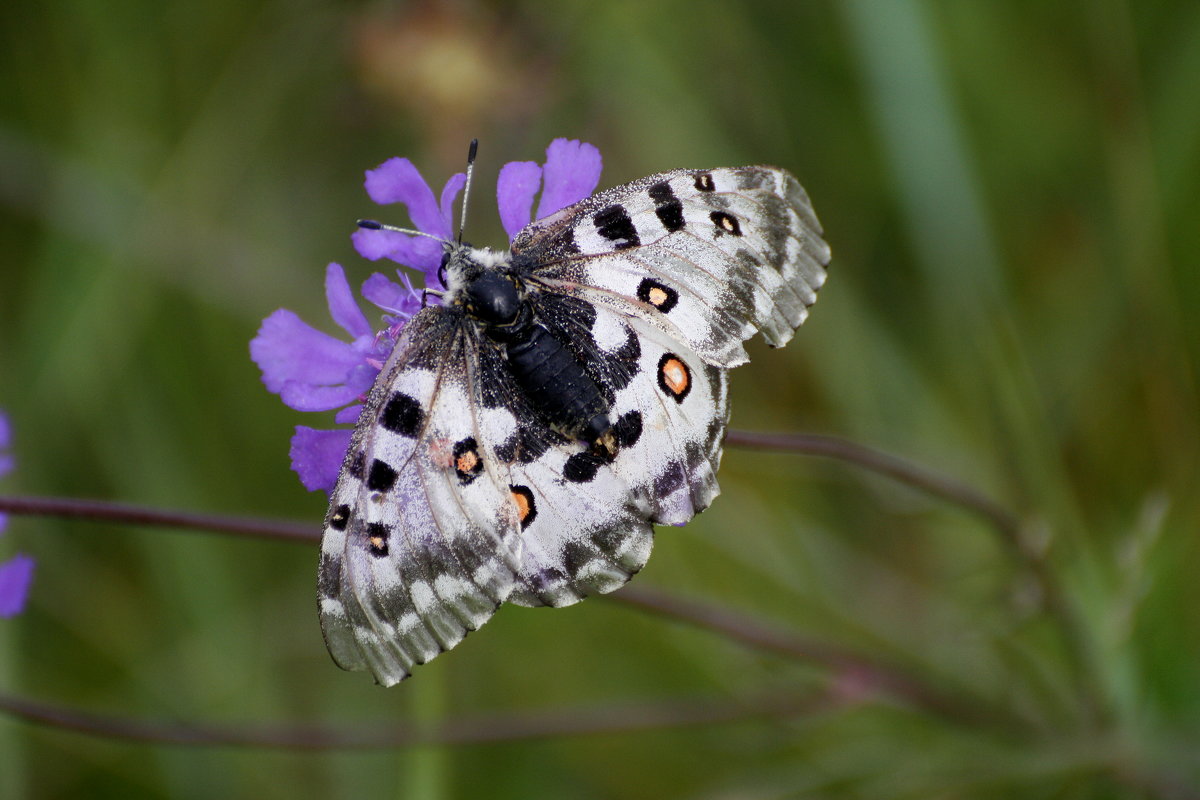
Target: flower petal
317,456
398,181
417,252
15,576
402,300
571,173
288,349
348,414
303,396
515,188
300,396
342,308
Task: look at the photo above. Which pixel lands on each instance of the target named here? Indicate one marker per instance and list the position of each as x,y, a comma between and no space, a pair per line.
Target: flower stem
609,719
130,514
1013,534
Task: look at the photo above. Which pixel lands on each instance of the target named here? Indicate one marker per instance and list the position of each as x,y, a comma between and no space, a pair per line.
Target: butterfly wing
655,285
709,257
593,529
421,541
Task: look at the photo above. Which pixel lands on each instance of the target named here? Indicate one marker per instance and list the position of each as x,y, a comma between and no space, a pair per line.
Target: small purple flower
313,371
16,573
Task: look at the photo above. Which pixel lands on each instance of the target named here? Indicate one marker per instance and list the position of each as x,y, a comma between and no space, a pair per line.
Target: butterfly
528,431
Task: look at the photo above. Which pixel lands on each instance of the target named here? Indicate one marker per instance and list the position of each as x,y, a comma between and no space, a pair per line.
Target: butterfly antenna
462,223
372,225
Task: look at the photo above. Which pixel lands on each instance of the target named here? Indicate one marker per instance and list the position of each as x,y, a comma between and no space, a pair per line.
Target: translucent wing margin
709,257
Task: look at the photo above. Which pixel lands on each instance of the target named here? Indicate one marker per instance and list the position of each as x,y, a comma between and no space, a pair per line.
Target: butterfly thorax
552,378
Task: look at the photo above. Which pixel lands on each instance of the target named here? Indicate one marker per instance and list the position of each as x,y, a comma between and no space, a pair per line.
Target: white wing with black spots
719,255
421,541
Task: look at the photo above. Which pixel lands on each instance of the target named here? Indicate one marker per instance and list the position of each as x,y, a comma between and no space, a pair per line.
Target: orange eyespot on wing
674,377
526,507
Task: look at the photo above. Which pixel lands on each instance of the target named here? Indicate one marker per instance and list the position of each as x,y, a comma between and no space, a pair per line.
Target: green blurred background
1011,193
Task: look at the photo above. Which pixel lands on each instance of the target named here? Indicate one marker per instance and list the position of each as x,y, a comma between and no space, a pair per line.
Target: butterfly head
477,279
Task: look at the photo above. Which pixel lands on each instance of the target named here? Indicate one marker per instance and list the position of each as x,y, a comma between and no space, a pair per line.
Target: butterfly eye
442,268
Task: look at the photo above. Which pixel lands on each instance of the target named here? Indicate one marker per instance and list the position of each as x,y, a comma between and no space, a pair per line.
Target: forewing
709,257
421,541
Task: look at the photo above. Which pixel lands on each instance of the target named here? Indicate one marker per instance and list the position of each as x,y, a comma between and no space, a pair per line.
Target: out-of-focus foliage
1011,191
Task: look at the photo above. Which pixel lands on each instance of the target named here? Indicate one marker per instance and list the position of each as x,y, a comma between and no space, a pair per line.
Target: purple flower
313,371
17,573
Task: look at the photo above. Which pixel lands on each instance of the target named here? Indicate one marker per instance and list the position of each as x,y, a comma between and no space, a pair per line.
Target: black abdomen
556,384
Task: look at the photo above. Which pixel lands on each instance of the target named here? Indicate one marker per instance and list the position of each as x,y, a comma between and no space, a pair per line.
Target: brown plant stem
129,514
894,467
1006,524
607,720
873,676
738,627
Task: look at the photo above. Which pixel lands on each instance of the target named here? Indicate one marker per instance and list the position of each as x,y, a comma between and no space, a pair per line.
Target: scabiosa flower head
313,371
17,572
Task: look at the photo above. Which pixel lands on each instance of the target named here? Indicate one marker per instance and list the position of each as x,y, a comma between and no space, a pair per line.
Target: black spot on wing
381,478
726,223
467,463
526,505
358,465
659,295
403,415
704,182
667,206
340,517
628,428
674,377
614,224
581,467
377,536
